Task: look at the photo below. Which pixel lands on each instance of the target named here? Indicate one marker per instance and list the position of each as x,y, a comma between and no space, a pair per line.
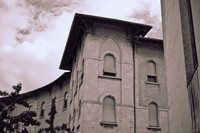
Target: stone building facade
116,82
182,54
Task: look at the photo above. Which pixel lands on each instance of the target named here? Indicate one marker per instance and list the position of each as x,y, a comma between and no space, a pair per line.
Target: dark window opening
42,110
42,113
151,78
65,101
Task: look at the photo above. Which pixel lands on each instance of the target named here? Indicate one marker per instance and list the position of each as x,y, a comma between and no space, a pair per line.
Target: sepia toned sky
33,34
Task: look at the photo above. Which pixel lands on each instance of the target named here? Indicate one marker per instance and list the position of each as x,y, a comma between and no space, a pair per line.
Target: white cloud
11,17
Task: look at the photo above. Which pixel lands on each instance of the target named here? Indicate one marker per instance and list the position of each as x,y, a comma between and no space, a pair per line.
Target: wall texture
181,31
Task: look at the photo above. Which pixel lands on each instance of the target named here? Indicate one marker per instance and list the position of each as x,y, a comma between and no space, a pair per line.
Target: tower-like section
106,93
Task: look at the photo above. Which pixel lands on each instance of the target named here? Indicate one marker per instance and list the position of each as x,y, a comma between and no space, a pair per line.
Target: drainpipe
134,100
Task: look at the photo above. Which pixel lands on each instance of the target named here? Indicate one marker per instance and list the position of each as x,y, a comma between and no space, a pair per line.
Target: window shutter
153,115
151,72
151,68
109,109
109,64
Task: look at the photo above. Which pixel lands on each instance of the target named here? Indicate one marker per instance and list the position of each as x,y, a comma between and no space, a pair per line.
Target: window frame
65,100
109,73
42,110
152,77
114,109
157,115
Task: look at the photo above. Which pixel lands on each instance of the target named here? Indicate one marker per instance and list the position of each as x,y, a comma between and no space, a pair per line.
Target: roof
149,39
135,29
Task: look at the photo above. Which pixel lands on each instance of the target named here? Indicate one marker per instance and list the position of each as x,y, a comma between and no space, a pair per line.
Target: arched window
109,65
82,73
151,72
109,109
153,114
82,69
74,116
71,92
42,110
79,113
65,101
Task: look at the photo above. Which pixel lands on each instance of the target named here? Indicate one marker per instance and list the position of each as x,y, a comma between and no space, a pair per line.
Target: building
182,54
116,82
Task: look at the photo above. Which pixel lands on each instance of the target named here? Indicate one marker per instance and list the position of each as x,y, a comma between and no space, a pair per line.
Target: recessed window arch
109,67
109,113
42,109
79,113
153,114
65,101
151,71
74,116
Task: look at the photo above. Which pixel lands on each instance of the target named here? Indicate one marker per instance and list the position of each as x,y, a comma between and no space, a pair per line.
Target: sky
33,34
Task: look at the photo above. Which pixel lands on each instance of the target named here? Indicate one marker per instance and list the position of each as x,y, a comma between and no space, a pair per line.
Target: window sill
109,77
106,123
154,83
153,128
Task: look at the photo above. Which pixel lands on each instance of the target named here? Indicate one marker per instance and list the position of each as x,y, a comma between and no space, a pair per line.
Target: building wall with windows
182,54
107,89
116,81
40,101
150,85
116,60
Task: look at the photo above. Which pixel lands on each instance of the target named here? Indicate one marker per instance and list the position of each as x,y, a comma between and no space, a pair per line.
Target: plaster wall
179,108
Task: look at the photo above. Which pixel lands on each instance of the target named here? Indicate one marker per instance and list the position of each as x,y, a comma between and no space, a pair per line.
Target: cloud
30,46
32,64
41,13
35,63
22,18
150,14
11,18
34,32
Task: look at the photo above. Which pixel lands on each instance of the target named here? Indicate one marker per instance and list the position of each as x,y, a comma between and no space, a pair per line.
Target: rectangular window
71,96
42,113
65,104
151,78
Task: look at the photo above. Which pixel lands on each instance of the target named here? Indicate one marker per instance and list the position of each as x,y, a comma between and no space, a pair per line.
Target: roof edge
135,28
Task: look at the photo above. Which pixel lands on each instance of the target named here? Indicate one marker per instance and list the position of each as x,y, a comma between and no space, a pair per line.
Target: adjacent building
116,82
182,54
